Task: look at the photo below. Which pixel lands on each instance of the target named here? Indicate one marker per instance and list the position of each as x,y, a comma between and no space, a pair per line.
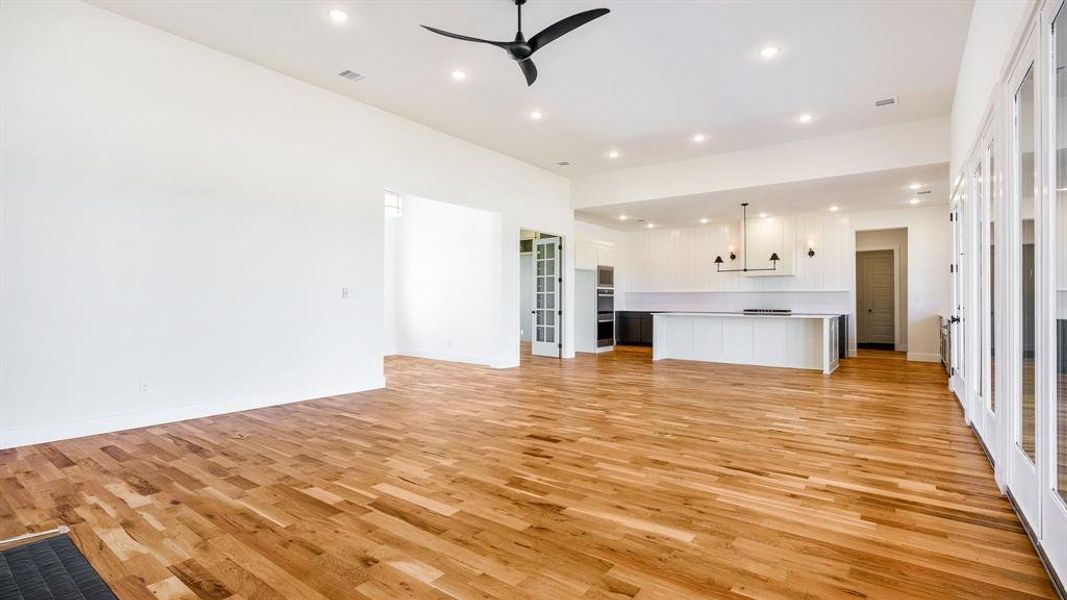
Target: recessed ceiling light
770,51
650,225
699,138
536,115
459,75
704,220
915,186
805,118
834,208
623,217
763,215
613,154
338,16
913,201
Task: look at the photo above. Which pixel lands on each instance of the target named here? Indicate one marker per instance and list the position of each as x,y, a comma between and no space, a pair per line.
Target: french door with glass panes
958,329
1024,454
1050,236
547,314
984,197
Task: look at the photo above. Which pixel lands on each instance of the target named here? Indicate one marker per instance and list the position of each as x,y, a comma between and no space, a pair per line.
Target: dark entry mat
51,569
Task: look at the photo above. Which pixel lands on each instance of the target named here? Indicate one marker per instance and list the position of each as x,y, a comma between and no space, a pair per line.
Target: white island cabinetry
796,341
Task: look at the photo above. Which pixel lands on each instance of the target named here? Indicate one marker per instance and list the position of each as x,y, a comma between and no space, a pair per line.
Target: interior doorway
876,308
881,289
541,293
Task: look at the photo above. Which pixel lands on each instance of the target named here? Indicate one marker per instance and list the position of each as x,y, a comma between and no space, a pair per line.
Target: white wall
996,26
175,217
897,241
526,283
585,311
389,283
445,273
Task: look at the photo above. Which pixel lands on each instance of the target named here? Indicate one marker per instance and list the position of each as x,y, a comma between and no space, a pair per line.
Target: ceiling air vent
563,163
922,192
885,102
351,75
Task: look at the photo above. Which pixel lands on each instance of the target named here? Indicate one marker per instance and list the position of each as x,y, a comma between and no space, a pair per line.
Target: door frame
896,250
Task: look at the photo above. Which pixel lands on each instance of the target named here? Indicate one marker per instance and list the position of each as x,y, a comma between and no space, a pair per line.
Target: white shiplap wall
680,259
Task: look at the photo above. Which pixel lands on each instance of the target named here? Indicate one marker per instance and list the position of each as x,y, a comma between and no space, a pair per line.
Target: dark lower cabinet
842,336
633,328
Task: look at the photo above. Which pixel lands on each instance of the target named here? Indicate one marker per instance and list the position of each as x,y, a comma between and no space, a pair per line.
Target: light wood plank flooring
603,477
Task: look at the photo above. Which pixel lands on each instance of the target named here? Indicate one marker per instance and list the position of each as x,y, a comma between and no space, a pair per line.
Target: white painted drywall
896,240
995,29
526,282
585,317
176,217
445,272
389,287
898,146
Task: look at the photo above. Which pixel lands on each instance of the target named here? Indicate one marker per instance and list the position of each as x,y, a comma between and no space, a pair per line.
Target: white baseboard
76,428
924,356
448,356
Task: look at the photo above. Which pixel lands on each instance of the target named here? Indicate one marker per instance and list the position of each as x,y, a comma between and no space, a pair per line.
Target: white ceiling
642,79
867,191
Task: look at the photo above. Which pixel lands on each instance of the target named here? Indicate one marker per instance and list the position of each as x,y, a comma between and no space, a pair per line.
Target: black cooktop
767,311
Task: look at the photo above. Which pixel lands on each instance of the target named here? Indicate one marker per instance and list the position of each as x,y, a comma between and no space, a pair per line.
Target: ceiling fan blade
529,70
565,26
465,38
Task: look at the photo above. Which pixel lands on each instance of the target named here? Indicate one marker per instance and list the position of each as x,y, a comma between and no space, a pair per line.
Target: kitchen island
800,341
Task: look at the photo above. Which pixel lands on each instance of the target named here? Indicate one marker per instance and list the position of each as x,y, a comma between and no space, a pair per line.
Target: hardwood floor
603,477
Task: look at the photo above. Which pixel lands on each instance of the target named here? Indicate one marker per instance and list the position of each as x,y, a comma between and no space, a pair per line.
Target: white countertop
737,314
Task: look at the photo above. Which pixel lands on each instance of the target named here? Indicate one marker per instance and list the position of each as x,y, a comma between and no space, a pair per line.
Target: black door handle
954,319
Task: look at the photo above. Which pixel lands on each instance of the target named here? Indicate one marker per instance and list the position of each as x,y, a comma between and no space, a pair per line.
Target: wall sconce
811,248
733,253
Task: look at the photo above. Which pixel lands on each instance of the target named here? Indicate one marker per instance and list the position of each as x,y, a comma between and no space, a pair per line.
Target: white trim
474,359
76,428
924,356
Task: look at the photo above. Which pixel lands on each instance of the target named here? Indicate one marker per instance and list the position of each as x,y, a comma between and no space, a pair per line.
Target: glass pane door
978,187
1026,421
1023,457
547,308
1059,260
1052,325
990,253
958,331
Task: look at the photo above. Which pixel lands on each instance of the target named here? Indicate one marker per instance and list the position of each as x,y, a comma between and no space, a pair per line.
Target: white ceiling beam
904,145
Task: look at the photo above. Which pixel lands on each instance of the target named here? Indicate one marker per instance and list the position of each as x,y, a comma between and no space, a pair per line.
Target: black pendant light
744,254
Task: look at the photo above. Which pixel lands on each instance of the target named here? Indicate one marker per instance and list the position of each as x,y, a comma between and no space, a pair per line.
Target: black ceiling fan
521,50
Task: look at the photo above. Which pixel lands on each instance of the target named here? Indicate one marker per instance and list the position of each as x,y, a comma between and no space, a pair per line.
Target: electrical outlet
344,293
145,388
